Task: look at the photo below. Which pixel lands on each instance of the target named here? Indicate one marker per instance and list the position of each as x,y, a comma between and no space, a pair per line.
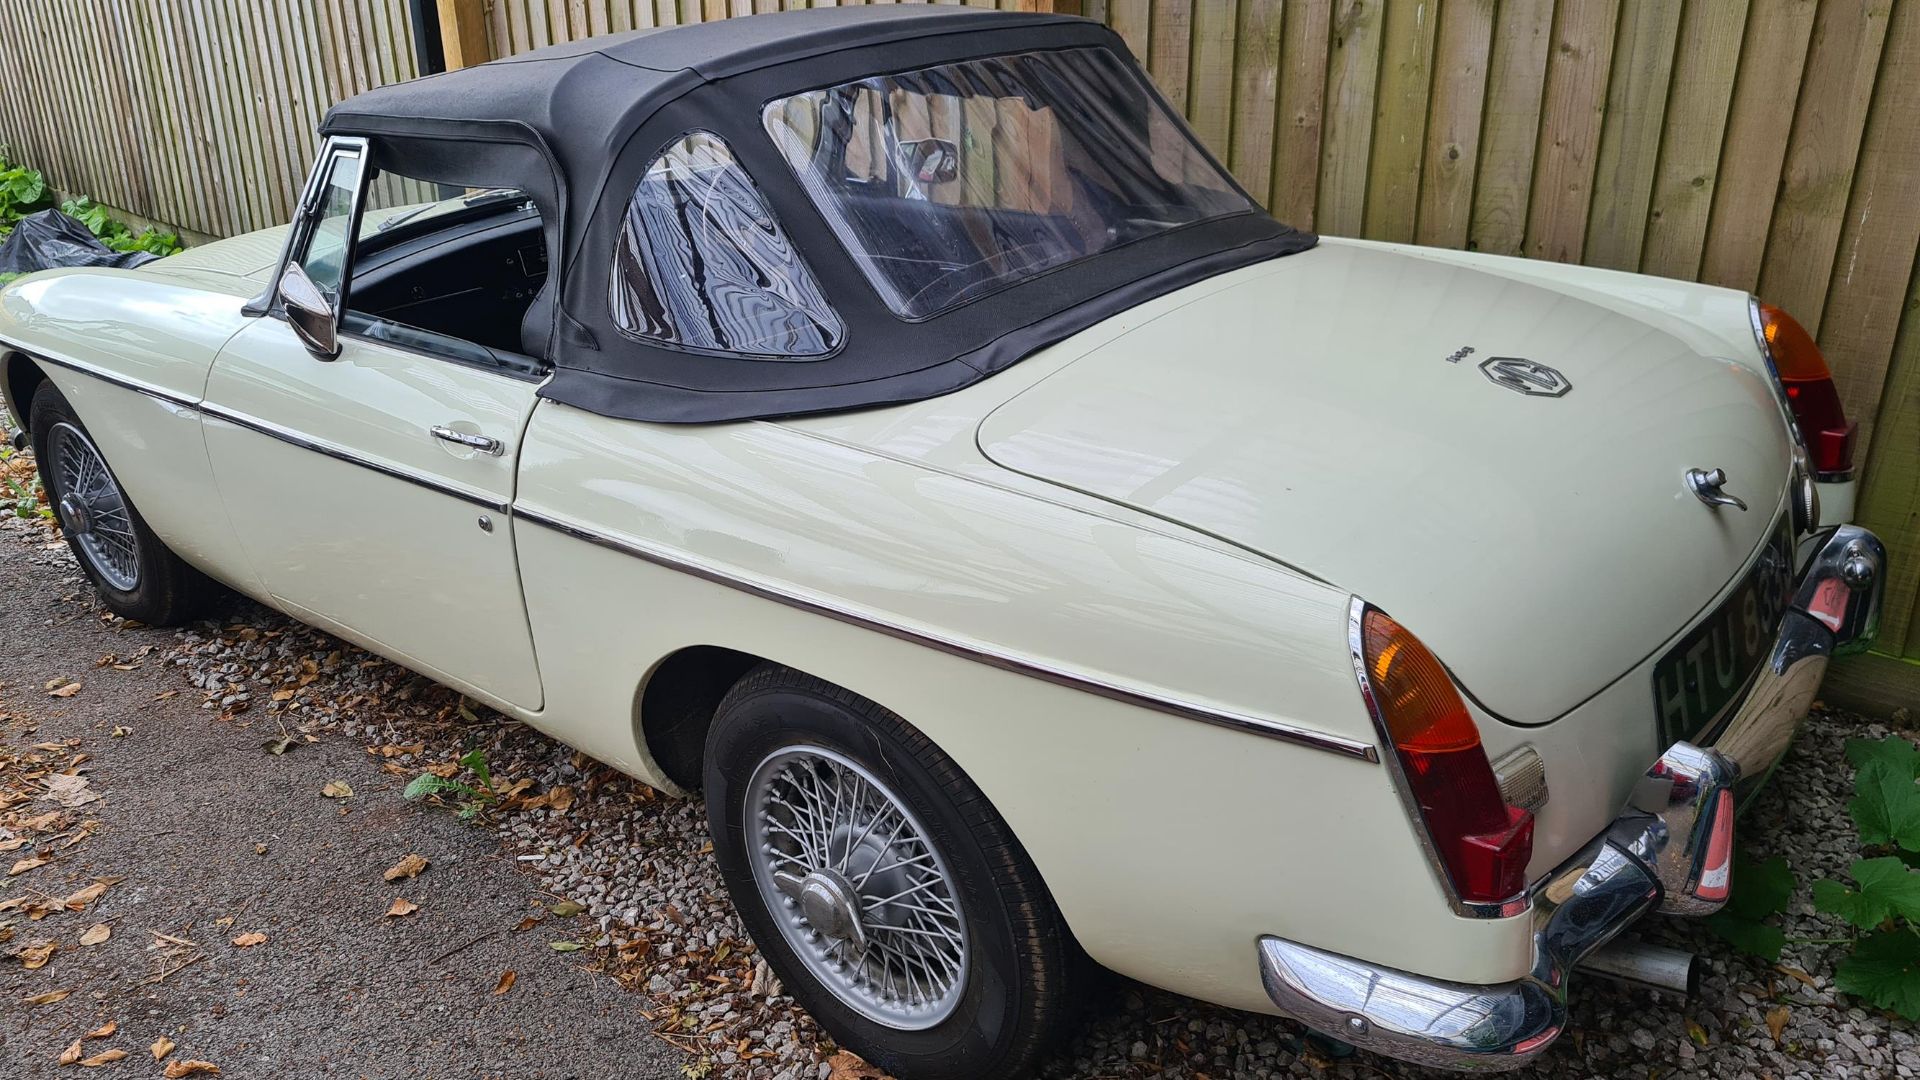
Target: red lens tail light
1483,843
1808,385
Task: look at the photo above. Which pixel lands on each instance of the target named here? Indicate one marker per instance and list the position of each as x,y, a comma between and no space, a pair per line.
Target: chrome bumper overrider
1671,849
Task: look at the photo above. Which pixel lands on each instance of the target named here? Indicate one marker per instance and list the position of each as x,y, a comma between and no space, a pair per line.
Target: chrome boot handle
1706,485
485,444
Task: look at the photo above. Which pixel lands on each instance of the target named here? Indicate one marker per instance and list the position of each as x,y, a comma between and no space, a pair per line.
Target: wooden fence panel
1759,144
198,114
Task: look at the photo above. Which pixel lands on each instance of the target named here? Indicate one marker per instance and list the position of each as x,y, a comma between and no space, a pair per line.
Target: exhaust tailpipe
1650,967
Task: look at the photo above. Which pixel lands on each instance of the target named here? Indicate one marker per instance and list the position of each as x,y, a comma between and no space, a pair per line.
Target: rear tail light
1808,386
1482,843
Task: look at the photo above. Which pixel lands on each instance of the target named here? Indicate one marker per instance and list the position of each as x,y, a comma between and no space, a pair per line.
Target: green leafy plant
114,233
1761,890
1881,899
1883,966
23,492
22,191
470,798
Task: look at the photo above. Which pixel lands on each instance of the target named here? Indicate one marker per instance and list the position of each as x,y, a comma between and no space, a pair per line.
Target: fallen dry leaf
189,1067
279,744
408,867
104,1031
506,982
567,909
527,923
104,1057
248,941
35,957
401,906
28,863
337,789
80,899
1697,1033
69,791
64,690
72,1054
1797,975
122,731
847,1065
95,934
1777,1018
162,1046
48,998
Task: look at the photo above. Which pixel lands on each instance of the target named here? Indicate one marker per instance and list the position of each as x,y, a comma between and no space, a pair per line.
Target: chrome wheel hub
859,893
92,508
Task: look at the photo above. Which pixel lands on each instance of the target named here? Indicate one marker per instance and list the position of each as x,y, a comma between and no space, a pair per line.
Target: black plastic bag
50,238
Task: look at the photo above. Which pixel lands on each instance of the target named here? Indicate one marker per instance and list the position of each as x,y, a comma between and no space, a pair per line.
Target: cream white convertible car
892,424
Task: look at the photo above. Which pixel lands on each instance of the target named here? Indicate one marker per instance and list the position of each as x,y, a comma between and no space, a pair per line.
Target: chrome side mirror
309,312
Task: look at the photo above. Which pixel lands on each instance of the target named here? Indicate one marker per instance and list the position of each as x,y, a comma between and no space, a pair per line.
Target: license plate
1701,675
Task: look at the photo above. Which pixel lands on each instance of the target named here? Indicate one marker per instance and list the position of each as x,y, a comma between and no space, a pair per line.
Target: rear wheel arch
676,704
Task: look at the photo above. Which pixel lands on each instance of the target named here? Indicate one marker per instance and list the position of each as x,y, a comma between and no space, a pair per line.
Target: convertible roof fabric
575,126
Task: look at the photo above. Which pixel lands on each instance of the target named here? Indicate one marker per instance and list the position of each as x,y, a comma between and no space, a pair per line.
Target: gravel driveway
206,837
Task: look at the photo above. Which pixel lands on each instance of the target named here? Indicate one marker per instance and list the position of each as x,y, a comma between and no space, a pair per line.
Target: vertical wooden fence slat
1516,84
1575,101
1771,62
1131,19
1630,133
1697,106
1879,234
1461,54
1256,84
1353,74
1400,121
1302,112
1827,124
1210,84
1169,45
1890,492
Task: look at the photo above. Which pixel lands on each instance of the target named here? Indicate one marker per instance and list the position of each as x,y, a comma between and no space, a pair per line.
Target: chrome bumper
1671,848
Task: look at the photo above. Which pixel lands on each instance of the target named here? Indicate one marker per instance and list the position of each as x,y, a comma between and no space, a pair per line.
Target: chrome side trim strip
992,657
294,438
138,387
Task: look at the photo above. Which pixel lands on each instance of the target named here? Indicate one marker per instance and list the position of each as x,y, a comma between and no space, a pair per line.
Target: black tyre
136,575
885,892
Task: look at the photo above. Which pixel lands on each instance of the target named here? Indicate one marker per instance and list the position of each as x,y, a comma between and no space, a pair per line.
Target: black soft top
575,126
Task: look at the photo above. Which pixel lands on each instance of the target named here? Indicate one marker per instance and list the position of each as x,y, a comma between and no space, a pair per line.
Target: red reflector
1716,873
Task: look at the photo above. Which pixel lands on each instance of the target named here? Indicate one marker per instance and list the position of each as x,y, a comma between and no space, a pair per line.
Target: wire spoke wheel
93,509
859,892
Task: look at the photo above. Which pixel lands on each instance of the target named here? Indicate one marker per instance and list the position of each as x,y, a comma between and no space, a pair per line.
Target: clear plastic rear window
950,182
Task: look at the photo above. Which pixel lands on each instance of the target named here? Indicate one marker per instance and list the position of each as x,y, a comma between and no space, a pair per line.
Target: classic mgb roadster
894,425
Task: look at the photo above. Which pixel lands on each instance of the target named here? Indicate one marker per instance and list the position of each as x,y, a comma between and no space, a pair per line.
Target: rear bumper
1671,848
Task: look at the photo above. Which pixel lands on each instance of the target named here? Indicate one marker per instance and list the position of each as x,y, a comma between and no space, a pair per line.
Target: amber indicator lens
1484,843
1811,395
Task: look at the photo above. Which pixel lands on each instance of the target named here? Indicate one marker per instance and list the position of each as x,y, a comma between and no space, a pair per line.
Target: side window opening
702,264
449,270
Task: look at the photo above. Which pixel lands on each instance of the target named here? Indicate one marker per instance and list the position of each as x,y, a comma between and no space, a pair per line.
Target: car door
371,491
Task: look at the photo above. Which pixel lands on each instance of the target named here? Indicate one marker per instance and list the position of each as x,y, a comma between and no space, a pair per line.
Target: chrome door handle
486,444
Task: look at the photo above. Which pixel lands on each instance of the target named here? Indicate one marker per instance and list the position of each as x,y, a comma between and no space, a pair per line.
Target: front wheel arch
22,379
